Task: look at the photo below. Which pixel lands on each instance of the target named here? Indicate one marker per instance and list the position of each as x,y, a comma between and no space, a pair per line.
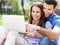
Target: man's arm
52,34
38,35
49,33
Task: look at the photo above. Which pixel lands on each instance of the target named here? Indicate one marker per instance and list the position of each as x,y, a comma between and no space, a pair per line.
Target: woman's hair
41,21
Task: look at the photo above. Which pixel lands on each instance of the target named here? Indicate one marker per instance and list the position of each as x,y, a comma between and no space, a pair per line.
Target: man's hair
53,2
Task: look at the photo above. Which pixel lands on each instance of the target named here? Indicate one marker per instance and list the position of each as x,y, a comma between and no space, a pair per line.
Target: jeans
45,41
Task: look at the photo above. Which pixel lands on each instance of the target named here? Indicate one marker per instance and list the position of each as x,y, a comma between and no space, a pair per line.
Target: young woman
36,18
33,37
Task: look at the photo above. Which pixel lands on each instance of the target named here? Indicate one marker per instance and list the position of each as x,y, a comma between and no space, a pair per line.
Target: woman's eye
32,11
37,11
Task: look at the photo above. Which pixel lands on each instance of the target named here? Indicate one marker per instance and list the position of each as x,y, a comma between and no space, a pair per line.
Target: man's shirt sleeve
56,29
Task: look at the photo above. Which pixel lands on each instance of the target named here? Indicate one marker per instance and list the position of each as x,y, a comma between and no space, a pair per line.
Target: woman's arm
34,34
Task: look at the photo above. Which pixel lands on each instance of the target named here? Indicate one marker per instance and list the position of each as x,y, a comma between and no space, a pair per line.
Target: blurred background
18,7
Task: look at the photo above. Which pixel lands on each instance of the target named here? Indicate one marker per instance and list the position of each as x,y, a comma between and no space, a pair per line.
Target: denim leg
45,41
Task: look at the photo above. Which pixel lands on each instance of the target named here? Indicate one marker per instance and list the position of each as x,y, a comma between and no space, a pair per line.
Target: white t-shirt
48,25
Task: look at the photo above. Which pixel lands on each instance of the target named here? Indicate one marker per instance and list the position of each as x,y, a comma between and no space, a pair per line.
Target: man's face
48,9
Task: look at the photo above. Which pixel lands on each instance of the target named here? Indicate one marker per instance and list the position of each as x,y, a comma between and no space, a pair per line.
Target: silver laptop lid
14,22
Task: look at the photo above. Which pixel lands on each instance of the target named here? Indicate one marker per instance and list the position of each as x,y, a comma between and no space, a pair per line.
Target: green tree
12,6
15,7
0,6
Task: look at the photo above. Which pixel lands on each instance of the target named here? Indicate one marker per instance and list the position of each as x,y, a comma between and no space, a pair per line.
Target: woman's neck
35,22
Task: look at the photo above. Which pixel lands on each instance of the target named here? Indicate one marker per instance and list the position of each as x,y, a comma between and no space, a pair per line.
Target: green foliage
26,17
0,6
0,1
0,20
15,8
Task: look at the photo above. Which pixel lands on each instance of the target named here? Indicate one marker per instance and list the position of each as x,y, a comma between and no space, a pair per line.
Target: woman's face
36,13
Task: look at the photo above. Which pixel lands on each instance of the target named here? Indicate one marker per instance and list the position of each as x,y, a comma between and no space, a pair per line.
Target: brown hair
41,22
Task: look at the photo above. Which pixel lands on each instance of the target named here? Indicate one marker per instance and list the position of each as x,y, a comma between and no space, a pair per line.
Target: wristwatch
38,27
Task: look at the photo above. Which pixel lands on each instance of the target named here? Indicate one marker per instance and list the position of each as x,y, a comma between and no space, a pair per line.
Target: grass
0,20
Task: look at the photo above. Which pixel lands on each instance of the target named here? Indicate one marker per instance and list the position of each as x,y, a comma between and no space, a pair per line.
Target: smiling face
36,13
48,9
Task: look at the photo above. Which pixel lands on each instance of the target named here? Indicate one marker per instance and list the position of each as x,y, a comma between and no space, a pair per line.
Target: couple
43,26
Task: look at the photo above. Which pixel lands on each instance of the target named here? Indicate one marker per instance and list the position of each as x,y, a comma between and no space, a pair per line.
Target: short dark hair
53,2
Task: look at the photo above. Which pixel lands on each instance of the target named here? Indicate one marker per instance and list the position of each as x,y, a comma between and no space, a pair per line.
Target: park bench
57,11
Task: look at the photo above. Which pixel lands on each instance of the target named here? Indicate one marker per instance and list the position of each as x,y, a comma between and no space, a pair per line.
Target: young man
53,34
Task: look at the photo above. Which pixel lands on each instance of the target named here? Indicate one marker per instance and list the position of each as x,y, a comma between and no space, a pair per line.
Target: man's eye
49,9
44,8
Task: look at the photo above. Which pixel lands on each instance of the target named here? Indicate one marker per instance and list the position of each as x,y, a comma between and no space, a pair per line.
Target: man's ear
55,8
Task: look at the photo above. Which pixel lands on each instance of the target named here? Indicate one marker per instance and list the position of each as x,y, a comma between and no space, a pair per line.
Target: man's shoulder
55,20
54,16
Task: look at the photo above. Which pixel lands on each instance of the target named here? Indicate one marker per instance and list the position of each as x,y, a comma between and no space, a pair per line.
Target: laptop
14,22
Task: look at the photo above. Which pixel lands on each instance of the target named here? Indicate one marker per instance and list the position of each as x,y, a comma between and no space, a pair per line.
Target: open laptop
14,22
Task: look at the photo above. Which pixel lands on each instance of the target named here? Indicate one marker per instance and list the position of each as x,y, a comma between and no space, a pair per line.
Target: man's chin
46,16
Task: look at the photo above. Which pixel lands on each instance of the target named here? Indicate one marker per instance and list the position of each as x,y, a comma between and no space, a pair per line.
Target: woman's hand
31,34
31,27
